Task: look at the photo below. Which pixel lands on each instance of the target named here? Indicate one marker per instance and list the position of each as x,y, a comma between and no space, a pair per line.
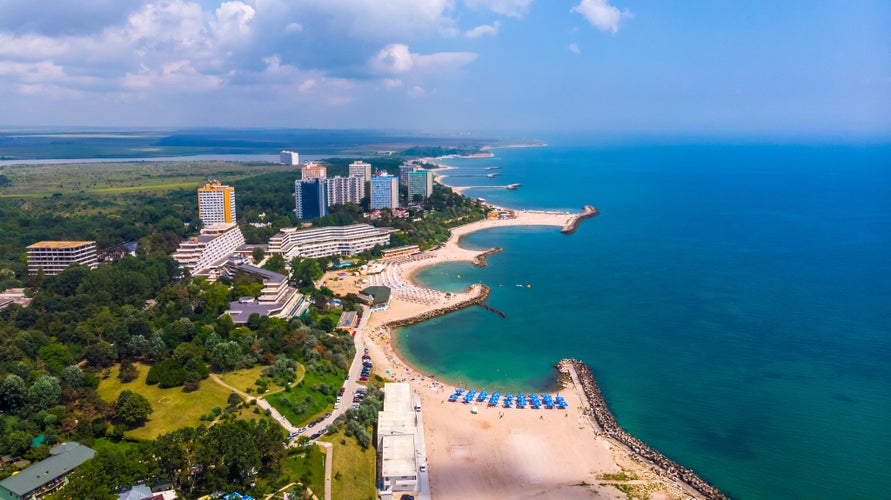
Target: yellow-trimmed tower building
216,203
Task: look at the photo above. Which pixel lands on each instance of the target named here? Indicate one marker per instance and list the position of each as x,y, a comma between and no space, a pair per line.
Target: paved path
329,466
350,386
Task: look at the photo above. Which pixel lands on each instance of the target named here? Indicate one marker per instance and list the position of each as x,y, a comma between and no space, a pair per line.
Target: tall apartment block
289,158
404,170
420,182
311,198
313,171
216,203
342,190
361,169
54,256
384,192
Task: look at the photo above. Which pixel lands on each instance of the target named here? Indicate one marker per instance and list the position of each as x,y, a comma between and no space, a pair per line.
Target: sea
732,299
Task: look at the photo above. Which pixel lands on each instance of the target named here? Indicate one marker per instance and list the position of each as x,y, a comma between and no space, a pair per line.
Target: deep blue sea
733,301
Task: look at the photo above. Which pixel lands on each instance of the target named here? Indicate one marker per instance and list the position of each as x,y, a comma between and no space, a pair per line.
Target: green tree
257,254
45,392
13,392
131,408
305,271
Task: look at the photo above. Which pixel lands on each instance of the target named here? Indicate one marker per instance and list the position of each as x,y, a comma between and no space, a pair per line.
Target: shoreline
573,457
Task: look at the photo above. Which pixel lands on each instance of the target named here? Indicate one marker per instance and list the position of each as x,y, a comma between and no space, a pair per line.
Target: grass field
353,468
246,379
316,402
173,409
122,178
307,467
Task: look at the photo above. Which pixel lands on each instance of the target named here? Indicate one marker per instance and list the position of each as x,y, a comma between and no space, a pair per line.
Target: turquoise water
734,303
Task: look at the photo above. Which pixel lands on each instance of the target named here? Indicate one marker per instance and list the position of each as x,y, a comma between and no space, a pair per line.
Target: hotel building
216,203
47,476
361,169
310,198
54,256
289,158
342,190
313,171
420,182
400,441
404,170
324,241
207,253
384,192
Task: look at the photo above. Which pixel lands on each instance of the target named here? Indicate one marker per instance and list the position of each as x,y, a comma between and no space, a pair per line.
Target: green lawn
303,393
245,379
173,409
353,468
307,467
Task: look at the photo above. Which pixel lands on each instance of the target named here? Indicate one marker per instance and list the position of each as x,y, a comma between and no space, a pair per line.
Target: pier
572,224
481,297
480,260
492,309
595,408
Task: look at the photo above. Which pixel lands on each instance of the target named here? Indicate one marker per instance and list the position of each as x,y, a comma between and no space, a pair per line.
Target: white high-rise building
361,169
289,158
216,203
344,190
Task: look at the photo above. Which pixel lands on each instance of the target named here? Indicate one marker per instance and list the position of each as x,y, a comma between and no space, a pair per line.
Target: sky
650,66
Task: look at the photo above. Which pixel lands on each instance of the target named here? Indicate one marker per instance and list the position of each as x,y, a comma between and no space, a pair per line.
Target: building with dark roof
48,475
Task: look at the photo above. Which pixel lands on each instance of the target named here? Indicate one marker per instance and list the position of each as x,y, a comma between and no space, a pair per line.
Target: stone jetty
480,260
596,409
477,299
492,309
572,224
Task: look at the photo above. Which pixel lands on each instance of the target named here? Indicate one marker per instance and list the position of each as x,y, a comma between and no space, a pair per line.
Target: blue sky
744,67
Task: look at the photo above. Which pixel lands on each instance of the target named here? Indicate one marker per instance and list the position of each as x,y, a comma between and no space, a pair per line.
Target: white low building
324,241
206,254
400,438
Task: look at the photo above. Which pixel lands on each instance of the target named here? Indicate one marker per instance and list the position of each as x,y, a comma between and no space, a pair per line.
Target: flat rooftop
398,456
397,397
60,244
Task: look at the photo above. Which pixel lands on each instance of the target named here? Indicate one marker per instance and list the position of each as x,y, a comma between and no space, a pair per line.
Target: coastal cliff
477,299
596,409
572,224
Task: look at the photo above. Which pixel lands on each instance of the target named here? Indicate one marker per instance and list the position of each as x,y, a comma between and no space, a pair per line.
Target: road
350,387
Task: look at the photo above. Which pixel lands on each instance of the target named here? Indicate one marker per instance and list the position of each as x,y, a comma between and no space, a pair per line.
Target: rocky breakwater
572,224
480,260
476,299
596,409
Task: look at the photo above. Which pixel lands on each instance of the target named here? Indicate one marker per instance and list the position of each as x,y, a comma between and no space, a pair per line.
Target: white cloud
177,74
483,30
417,92
394,58
294,27
397,58
512,8
601,14
574,48
233,21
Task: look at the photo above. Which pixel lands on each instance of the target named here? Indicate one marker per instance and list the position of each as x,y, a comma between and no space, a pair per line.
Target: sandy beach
496,453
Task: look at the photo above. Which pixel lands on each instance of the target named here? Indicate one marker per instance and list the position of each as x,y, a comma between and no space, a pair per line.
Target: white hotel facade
344,190
206,254
324,241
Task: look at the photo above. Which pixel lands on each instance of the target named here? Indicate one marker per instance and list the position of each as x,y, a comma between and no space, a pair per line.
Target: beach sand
498,453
